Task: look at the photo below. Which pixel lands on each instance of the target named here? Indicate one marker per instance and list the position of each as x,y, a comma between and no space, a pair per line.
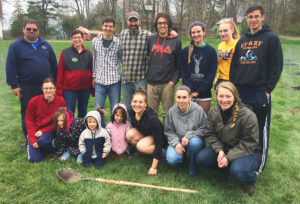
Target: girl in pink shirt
117,129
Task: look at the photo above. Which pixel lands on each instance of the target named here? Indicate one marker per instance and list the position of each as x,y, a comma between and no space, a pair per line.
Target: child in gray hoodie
94,141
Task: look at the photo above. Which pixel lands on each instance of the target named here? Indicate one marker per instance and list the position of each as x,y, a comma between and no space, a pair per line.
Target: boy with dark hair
106,69
255,70
164,68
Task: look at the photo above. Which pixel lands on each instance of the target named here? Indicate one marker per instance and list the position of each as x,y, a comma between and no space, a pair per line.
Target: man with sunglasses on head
255,70
30,60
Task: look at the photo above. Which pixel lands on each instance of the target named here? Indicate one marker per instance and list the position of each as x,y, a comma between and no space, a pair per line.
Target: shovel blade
68,175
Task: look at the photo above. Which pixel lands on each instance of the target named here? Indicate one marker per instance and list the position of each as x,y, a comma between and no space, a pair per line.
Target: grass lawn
23,182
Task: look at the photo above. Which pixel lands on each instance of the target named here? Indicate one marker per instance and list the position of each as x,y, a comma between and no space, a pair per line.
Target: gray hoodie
189,124
100,132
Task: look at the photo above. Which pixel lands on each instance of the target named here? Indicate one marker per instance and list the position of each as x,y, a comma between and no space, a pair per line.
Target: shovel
69,175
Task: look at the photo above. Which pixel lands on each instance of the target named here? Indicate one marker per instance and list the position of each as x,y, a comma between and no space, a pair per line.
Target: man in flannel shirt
106,67
134,56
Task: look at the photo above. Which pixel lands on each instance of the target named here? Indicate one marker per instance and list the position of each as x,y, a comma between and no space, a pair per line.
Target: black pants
28,91
261,106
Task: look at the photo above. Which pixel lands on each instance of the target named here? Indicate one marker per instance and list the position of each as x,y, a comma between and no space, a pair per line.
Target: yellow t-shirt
225,53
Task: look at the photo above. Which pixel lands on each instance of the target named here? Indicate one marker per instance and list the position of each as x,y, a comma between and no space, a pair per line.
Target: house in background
1,21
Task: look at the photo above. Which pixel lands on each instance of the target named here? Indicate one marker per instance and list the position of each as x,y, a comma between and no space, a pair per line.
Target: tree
42,11
17,20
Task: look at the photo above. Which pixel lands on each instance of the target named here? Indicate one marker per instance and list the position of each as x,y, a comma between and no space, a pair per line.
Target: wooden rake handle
126,183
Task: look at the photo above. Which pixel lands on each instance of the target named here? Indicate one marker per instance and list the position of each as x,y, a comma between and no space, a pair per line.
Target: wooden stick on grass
126,183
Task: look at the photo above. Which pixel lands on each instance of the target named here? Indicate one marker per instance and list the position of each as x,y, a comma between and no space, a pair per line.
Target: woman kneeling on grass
147,132
184,128
39,113
232,132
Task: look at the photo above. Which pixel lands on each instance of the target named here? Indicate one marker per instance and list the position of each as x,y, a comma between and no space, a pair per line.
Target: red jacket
74,70
39,115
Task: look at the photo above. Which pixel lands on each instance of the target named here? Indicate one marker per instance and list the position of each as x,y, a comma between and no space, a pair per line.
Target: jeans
45,147
82,96
128,90
79,158
175,159
242,168
101,91
65,156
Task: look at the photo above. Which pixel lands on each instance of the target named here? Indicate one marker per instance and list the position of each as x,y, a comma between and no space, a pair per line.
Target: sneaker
24,143
250,189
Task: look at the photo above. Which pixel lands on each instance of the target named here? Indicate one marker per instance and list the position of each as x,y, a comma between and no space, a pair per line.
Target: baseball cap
133,14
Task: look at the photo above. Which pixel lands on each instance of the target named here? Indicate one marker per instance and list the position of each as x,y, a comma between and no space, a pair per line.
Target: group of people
237,129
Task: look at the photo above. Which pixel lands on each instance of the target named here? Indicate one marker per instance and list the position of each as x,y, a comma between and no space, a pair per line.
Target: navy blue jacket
25,64
257,61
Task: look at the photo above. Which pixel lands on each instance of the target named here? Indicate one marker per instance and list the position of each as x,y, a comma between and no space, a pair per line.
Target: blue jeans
128,90
242,168
65,156
82,96
101,91
45,147
175,159
79,158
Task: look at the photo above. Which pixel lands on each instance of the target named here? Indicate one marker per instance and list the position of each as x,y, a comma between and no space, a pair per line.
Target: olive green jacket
241,140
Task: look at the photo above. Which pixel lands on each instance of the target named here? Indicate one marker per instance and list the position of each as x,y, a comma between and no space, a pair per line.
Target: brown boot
250,189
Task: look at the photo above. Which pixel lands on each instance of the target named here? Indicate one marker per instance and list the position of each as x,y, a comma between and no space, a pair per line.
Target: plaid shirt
134,55
106,61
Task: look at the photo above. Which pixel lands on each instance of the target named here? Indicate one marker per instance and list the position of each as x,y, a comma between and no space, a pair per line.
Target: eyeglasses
162,23
256,17
32,29
50,88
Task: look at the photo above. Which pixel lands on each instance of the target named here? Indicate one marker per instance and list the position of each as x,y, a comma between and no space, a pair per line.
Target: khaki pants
160,93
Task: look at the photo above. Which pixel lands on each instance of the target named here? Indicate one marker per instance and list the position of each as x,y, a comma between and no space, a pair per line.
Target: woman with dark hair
39,113
147,133
232,132
199,66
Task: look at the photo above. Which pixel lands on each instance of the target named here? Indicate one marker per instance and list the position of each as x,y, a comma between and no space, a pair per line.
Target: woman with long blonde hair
232,133
229,33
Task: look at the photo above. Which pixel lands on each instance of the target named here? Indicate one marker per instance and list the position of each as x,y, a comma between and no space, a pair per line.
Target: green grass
22,182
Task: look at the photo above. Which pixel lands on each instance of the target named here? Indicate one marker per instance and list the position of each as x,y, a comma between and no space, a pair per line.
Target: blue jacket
25,64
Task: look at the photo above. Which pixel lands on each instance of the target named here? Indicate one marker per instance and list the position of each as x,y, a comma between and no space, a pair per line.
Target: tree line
281,15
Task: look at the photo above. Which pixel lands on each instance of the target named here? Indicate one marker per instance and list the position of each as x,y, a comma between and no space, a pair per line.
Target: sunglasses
32,29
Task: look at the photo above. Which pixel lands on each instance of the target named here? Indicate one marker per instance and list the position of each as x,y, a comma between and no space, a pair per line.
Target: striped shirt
106,61
134,55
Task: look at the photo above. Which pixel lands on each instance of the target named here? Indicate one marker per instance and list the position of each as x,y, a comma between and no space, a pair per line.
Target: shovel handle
126,183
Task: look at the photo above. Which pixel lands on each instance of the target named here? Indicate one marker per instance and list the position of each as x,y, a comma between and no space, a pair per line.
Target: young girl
117,129
94,141
228,32
68,131
199,66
